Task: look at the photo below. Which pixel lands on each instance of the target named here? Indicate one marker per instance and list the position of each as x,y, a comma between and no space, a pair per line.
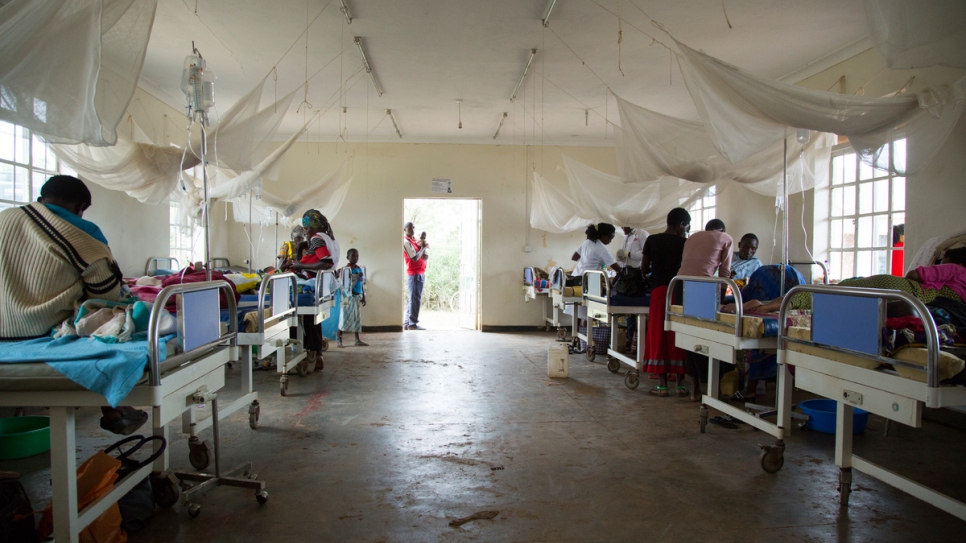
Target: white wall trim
835,57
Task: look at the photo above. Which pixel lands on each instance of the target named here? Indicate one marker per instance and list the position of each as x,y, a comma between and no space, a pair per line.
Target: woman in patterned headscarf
322,254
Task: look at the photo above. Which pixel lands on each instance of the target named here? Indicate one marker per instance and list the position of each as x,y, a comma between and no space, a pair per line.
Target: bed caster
283,385
773,457
325,344
613,365
194,510
561,334
198,453
631,379
303,368
261,497
703,418
165,489
845,486
591,354
254,410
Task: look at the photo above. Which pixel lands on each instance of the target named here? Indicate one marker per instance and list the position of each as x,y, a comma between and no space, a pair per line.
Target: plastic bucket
558,360
821,416
21,437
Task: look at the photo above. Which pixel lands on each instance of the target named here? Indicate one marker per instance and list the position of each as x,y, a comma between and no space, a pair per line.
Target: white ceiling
428,53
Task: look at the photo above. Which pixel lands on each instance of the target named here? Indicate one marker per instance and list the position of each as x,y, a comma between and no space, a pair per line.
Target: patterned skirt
660,354
350,313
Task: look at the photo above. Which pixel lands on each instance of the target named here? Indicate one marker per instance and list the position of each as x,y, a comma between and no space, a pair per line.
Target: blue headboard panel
701,300
847,322
528,276
200,318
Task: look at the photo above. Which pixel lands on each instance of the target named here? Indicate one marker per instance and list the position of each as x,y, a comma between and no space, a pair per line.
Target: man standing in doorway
414,252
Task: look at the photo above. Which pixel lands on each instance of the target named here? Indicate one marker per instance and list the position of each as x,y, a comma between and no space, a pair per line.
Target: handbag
137,506
631,282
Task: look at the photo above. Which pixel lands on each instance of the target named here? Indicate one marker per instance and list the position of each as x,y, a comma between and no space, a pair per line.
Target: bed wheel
303,368
613,365
194,510
704,417
591,354
198,453
325,344
561,334
254,410
283,385
166,491
772,458
631,379
845,486
261,497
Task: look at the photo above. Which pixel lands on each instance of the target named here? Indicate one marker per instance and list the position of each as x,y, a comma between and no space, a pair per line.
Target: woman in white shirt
593,254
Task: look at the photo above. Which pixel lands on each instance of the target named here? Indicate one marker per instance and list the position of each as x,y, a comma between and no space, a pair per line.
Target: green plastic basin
21,437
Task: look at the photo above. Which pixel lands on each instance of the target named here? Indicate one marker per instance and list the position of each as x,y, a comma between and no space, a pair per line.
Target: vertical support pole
63,474
784,211
843,434
784,399
160,429
714,370
251,244
641,328
214,429
206,205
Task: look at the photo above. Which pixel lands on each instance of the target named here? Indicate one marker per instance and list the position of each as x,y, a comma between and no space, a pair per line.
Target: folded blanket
110,370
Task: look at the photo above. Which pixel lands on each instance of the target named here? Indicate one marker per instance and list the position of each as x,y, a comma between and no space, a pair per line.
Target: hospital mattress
752,326
949,365
630,301
571,292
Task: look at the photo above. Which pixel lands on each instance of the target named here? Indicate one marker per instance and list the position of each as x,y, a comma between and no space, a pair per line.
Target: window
25,164
184,241
865,204
702,210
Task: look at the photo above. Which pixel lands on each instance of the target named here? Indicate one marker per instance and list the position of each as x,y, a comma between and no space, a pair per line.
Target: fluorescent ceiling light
365,62
394,125
533,53
503,120
345,11
546,17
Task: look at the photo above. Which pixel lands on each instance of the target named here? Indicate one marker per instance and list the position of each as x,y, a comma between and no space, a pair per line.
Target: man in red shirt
414,253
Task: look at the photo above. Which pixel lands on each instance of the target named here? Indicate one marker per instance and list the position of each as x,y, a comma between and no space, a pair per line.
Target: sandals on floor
739,397
361,344
126,422
659,391
682,392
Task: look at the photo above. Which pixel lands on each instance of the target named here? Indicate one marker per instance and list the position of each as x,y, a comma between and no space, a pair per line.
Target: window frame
33,188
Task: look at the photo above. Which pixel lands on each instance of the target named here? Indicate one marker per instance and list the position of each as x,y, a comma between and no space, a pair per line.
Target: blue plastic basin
821,416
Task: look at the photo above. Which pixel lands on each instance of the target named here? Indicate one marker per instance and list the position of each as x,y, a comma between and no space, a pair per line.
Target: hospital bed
152,265
701,328
321,302
172,385
605,306
548,315
563,296
840,357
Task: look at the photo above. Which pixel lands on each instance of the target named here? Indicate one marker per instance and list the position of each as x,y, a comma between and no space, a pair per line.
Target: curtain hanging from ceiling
326,195
918,34
552,209
69,67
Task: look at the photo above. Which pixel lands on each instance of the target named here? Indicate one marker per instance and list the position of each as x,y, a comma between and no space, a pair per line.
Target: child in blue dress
353,296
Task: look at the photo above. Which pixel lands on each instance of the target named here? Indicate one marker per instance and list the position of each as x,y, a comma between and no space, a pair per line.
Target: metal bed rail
727,281
610,312
267,290
820,263
156,259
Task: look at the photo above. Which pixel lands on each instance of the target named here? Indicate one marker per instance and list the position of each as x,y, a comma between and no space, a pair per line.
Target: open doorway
451,293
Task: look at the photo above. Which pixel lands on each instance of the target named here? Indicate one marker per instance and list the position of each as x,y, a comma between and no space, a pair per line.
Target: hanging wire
620,35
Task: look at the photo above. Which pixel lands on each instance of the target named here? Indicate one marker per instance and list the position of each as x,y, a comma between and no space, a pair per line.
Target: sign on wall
442,185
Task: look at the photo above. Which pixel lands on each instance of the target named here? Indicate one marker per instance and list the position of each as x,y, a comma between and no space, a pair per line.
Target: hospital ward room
482,271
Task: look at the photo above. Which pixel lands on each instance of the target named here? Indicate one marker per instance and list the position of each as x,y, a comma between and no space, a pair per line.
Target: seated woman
944,280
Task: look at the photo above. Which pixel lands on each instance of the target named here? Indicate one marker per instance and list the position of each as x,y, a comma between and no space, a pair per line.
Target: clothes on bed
765,284
660,353
634,245
707,252
803,300
944,275
47,266
593,256
743,269
664,252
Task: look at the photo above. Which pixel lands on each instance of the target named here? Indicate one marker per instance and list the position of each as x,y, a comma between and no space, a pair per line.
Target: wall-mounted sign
442,185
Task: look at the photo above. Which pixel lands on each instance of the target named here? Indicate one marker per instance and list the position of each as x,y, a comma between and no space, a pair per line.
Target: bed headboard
847,322
701,300
198,318
528,276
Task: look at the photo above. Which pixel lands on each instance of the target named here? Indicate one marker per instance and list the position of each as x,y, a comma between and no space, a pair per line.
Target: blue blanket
111,370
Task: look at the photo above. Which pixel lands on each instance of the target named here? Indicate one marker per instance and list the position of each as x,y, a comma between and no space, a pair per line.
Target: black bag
16,514
631,282
137,506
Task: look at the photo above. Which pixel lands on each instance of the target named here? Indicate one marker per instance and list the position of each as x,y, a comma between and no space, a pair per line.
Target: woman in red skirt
662,258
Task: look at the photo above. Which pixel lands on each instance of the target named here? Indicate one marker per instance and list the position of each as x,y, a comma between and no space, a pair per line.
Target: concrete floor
390,442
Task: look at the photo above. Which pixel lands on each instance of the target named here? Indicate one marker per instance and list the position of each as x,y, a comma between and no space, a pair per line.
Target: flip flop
659,391
739,397
361,344
126,422
682,392
723,423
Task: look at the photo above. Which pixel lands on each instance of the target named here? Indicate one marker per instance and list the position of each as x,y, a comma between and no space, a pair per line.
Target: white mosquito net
552,209
744,113
69,68
326,195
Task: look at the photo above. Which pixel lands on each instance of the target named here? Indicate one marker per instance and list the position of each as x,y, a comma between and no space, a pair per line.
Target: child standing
353,298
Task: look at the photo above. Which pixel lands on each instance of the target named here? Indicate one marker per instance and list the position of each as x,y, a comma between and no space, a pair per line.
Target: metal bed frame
560,302
886,394
718,345
596,293
547,318
174,387
156,259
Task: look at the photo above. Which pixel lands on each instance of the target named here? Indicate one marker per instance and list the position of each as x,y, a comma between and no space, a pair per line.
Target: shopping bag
729,382
95,478
137,506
